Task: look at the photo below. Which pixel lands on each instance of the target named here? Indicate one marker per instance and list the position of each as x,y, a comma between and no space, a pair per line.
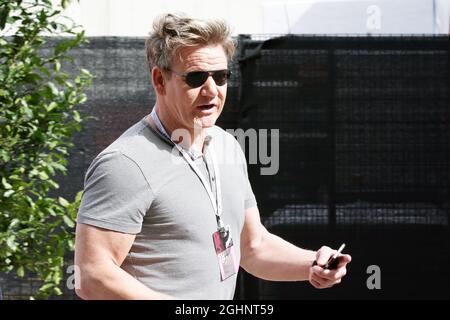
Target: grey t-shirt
141,185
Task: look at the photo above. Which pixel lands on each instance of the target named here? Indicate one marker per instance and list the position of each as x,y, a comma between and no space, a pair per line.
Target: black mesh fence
364,155
364,150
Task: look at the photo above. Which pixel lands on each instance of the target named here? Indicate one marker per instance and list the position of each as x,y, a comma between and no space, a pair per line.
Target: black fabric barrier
363,156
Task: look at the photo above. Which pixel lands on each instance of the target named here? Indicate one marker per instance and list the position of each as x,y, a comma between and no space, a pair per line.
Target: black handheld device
332,263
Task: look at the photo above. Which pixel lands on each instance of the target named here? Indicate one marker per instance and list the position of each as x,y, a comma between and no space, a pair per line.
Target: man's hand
321,278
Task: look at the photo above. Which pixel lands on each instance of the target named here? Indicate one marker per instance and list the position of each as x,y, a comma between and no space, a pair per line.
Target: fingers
325,278
321,282
316,284
323,254
329,275
344,259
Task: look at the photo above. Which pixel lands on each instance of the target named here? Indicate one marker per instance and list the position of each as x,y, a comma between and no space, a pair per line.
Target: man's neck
196,135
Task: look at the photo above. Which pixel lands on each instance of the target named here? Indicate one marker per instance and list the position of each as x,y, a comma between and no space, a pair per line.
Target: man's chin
206,122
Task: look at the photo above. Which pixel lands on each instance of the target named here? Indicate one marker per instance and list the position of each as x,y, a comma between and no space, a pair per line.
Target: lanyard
216,203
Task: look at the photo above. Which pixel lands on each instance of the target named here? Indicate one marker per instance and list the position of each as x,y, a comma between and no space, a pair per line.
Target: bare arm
269,257
99,254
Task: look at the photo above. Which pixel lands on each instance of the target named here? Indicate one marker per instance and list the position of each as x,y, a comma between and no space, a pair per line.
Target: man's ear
158,81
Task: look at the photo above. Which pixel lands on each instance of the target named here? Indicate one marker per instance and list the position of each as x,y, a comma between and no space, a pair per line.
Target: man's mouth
206,107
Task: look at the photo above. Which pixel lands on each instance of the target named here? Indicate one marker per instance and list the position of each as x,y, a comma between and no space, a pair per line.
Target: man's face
185,105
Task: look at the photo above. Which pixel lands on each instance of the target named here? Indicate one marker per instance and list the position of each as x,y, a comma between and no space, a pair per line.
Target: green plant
37,120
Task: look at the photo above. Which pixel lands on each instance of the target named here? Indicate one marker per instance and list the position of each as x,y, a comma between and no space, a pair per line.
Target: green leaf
63,202
5,184
64,3
42,16
51,106
76,116
71,244
4,12
4,155
69,222
86,73
10,242
78,196
53,184
57,66
59,166
47,286
53,88
51,211
21,271
61,47
13,223
26,110
32,78
45,71
82,99
43,175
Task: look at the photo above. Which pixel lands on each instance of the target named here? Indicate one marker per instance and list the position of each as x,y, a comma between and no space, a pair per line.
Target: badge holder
223,243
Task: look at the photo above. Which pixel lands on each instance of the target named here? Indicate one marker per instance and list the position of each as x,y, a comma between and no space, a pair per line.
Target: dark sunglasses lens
197,78
221,77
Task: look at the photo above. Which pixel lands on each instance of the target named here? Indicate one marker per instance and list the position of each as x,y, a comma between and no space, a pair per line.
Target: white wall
134,17
353,16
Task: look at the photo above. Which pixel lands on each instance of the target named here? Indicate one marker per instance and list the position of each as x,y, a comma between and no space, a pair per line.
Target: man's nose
209,88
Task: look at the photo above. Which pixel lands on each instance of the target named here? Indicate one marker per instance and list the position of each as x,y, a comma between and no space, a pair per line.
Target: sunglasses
196,79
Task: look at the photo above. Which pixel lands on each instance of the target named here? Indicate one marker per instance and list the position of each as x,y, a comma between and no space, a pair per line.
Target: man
168,210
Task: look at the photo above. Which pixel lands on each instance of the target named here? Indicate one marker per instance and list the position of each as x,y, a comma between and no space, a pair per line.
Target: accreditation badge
223,243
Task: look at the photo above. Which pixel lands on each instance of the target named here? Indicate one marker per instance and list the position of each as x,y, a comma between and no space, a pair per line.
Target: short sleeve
250,199
116,194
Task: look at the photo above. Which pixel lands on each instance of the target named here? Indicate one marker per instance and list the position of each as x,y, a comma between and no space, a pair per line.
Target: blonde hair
171,32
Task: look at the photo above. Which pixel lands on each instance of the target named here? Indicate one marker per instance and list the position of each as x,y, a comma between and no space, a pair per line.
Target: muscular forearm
108,281
276,259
